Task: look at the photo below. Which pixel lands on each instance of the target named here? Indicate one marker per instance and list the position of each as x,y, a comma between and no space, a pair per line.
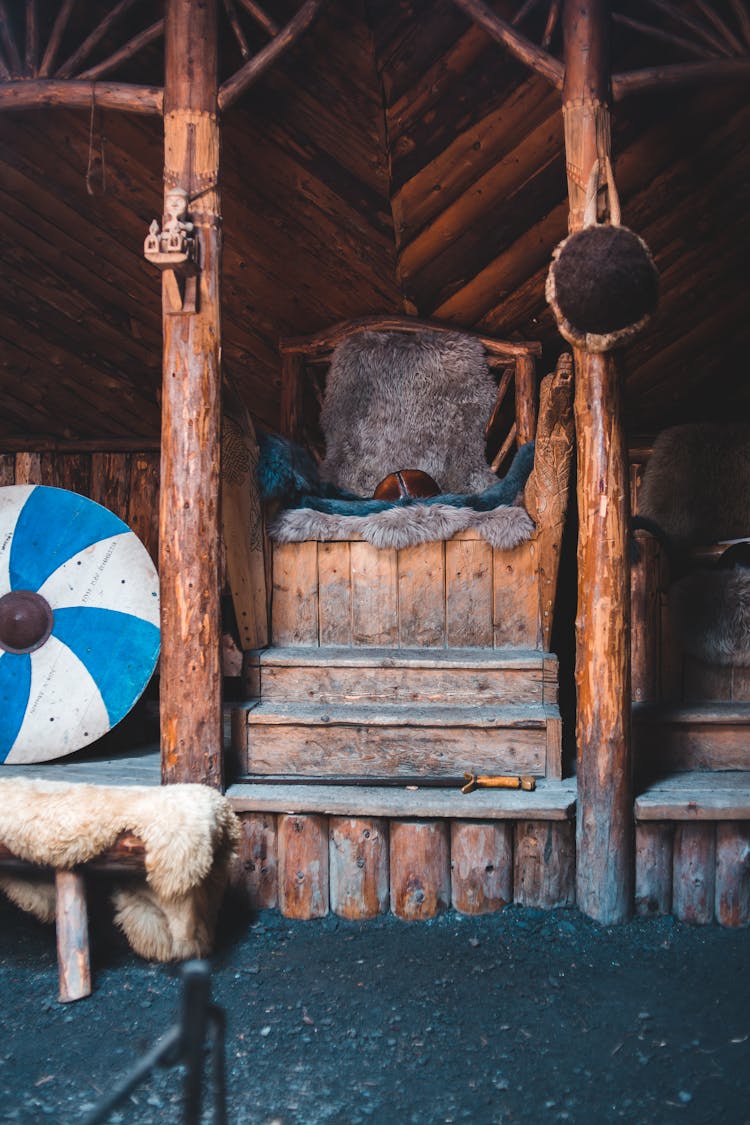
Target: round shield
79,622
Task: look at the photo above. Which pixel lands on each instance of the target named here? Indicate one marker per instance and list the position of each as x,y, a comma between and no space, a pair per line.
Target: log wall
125,481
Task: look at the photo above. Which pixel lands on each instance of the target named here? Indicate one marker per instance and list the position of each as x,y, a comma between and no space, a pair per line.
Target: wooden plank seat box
693,847
691,732
391,665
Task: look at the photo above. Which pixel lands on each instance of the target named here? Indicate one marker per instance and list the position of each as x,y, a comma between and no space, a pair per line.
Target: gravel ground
520,1016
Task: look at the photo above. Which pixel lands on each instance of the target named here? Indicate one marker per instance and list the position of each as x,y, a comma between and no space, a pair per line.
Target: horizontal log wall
359,867
308,239
126,482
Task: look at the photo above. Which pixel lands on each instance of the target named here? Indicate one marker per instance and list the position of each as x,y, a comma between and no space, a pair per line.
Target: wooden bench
125,857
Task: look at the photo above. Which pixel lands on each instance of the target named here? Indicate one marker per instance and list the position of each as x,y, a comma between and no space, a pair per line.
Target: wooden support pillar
605,807
191,724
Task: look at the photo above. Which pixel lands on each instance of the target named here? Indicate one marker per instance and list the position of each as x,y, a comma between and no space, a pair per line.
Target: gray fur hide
403,400
697,483
711,609
397,527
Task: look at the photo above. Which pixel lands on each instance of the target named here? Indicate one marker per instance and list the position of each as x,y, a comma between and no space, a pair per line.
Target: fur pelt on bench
189,833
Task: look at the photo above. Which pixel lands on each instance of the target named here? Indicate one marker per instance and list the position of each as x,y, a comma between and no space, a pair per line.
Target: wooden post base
358,867
72,936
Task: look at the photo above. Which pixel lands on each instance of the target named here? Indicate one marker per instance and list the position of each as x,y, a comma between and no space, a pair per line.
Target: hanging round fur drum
602,284
79,622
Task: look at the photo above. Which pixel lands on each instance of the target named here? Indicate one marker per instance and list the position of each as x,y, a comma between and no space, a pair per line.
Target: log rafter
722,53
26,82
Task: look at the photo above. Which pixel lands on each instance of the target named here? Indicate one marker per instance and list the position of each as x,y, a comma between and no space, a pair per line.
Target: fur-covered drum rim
591,341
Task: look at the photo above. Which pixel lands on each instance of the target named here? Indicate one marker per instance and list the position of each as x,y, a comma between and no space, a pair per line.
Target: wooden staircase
458,682
377,713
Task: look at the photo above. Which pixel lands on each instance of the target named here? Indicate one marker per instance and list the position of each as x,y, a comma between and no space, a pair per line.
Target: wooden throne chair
414,665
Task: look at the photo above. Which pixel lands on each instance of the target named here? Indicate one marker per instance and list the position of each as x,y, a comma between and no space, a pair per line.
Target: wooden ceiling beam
663,36
261,17
53,43
743,19
235,86
31,53
721,27
679,15
236,27
8,40
127,51
524,50
73,62
678,74
75,94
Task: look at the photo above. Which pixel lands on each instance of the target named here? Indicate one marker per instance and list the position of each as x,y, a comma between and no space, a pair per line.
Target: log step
551,800
696,796
693,848
401,740
675,738
360,852
377,675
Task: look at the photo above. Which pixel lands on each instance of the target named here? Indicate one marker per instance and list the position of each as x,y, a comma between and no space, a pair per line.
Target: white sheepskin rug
503,527
189,833
407,400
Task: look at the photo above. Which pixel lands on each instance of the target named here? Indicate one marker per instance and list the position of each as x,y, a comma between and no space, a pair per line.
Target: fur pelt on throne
393,401
407,400
189,833
318,510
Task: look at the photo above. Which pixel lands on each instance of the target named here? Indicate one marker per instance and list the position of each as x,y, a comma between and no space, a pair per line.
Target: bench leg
72,936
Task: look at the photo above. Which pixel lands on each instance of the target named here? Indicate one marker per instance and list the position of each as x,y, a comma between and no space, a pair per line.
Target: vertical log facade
605,829
191,725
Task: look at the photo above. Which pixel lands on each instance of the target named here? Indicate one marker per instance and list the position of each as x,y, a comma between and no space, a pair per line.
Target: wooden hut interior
381,166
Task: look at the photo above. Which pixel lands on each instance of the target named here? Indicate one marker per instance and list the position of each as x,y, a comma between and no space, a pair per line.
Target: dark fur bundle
696,487
288,474
711,608
605,280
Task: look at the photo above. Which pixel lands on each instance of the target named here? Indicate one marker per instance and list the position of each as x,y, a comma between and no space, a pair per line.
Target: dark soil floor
519,1016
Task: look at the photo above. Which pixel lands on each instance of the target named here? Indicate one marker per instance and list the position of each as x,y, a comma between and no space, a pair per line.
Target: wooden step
696,795
551,800
376,675
403,740
671,738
